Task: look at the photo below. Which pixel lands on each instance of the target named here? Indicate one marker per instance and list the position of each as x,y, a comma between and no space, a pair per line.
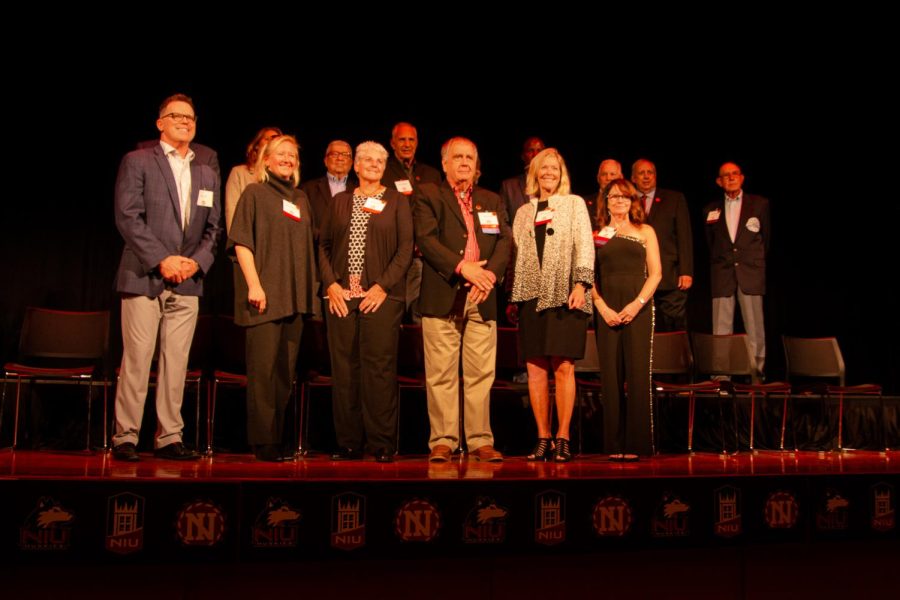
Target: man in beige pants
464,238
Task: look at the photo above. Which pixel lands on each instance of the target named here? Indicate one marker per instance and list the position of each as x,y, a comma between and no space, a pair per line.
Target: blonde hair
261,173
532,187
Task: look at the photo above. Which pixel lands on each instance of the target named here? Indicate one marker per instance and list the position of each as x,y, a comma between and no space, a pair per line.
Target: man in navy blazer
667,212
738,232
167,209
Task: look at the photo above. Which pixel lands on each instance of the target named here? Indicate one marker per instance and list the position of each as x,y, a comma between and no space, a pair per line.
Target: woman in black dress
553,273
272,234
628,268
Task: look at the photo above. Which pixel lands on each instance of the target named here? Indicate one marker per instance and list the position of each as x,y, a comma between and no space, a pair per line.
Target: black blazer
441,237
671,221
422,173
319,194
389,244
742,262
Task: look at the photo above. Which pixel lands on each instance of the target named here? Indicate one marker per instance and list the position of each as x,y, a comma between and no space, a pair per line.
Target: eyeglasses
336,154
618,197
180,118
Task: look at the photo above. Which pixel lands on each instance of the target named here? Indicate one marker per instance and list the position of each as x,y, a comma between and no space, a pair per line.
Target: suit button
734,249
461,252
736,264
465,235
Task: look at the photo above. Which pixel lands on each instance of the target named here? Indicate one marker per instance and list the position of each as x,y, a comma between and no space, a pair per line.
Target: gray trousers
752,315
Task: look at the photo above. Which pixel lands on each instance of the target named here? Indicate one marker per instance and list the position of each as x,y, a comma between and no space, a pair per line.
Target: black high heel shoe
543,450
563,452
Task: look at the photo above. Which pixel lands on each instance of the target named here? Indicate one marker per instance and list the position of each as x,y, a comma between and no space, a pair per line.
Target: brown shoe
487,454
440,454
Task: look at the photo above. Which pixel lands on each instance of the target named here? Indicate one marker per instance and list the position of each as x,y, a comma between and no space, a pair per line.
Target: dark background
801,106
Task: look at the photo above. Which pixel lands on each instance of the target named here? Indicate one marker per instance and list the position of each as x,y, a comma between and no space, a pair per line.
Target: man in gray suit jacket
167,209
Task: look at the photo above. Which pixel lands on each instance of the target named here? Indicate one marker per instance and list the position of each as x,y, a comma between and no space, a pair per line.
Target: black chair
411,376
821,358
60,346
315,360
229,368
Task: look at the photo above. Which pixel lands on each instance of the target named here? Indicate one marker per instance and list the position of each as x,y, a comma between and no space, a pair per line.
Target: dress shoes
440,454
126,451
268,453
347,454
487,454
175,451
383,455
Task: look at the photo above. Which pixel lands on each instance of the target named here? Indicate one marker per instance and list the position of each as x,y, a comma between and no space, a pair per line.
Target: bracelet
641,300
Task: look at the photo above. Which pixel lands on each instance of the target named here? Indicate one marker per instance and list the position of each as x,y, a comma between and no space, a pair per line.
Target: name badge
604,235
713,216
205,198
290,210
374,206
404,186
490,223
543,217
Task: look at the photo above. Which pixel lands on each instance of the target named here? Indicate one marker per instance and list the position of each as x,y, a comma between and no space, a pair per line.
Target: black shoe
126,451
383,455
562,453
347,454
175,451
542,451
268,453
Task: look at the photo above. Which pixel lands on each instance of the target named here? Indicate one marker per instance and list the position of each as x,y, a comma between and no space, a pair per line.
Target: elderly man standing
462,232
738,232
338,161
167,209
667,213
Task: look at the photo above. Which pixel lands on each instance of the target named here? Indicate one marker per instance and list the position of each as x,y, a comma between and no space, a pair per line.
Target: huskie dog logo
200,523
417,521
125,523
672,518
833,512
550,518
485,523
781,510
275,526
47,527
348,521
727,515
883,507
612,516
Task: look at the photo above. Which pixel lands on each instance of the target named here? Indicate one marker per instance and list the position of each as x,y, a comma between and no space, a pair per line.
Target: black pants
364,375
271,363
671,310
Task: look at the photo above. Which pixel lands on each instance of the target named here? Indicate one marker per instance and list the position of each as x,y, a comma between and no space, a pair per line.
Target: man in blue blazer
738,232
167,209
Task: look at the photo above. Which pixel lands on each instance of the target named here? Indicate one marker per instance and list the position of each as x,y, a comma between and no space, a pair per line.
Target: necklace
378,190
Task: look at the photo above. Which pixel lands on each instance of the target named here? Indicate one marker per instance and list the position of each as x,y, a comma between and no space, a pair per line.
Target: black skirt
555,331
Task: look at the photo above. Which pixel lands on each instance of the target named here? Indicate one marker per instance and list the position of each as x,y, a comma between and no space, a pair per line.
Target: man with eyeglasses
203,155
167,209
405,174
338,178
738,233
667,212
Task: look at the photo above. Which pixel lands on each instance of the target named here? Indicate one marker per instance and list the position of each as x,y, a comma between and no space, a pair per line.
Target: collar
168,149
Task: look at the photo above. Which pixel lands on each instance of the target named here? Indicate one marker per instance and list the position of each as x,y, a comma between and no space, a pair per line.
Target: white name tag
543,217
205,198
290,210
604,235
374,206
490,223
713,216
404,186
753,224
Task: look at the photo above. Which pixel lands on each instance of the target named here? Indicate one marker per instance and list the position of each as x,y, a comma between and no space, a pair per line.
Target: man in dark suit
512,190
167,209
338,162
462,232
609,170
738,231
405,174
667,213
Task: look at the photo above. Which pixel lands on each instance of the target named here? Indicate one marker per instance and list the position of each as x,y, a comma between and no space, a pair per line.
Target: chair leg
722,426
752,418
840,438
884,442
90,396
691,408
197,418
211,416
2,402
105,446
784,409
303,421
16,413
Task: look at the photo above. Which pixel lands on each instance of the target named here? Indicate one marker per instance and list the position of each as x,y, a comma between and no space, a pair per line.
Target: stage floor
73,508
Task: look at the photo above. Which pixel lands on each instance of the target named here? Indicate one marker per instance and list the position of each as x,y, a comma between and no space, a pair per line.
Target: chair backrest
508,359
61,334
410,350
230,346
591,361
672,353
813,357
724,355
314,353
200,356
